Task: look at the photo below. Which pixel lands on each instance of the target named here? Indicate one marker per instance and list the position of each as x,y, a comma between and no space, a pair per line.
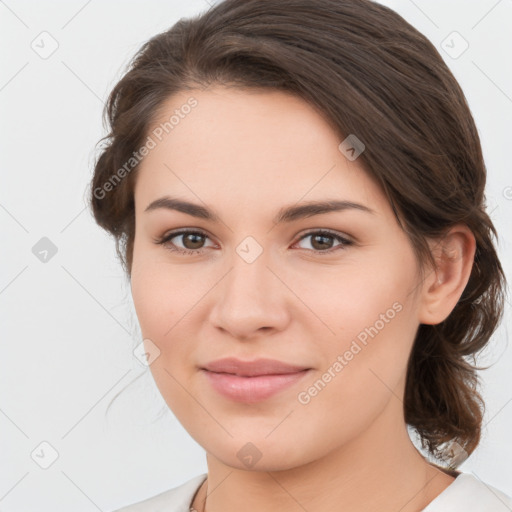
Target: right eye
193,238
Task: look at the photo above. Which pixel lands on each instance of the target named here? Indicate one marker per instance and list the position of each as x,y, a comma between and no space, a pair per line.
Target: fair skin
245,155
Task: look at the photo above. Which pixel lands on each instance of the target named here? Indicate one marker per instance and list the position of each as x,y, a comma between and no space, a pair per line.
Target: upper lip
261,366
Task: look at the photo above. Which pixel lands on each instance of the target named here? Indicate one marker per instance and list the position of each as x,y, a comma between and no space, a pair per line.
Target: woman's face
343,305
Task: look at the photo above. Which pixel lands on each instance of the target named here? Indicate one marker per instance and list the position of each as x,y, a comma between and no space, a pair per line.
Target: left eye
321,239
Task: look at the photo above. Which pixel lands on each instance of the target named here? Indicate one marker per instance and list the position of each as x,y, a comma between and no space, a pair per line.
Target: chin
255,453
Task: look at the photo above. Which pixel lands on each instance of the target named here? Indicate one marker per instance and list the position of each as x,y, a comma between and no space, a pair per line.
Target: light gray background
68,325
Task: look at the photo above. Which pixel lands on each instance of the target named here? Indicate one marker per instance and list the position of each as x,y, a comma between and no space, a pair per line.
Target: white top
465,494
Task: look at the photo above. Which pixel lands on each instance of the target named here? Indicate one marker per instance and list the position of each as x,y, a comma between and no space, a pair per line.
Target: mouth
252,381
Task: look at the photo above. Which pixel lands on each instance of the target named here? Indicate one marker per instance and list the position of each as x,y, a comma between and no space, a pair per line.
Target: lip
252,381
258,367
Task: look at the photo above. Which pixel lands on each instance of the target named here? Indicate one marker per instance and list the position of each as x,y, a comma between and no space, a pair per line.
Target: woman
296,189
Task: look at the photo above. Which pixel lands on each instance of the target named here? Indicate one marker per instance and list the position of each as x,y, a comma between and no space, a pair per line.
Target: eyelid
327,231
179,231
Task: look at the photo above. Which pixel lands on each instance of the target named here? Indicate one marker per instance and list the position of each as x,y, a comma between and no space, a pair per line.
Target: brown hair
373,75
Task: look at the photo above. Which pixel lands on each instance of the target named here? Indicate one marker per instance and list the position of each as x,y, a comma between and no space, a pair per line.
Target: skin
245,154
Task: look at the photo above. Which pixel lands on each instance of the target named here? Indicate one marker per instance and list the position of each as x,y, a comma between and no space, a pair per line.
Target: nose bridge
249,279
251,271
249,297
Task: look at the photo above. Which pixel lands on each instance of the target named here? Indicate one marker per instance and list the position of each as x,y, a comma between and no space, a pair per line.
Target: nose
250,299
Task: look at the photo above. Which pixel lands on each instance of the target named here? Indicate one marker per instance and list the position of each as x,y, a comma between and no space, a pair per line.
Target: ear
442,287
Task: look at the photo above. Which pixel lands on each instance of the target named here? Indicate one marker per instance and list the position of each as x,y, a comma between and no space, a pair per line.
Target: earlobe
443,286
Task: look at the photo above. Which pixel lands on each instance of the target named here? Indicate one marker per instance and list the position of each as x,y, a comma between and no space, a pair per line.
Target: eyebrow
285,214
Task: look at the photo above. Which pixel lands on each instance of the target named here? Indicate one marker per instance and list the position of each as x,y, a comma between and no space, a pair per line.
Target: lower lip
251,389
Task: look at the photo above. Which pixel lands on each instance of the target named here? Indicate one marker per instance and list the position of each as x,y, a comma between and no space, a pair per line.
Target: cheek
161,293
159,310
164,297
364,372
373,313
355,298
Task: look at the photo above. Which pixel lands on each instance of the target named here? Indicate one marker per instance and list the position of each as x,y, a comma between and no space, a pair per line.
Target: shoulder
467,493
177,499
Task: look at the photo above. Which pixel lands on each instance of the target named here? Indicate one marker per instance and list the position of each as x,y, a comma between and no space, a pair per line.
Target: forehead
239,145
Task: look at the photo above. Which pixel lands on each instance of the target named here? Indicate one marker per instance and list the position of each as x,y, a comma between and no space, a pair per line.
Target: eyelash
344,242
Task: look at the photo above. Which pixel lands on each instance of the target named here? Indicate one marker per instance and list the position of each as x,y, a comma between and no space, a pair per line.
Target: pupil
197,242
322,238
